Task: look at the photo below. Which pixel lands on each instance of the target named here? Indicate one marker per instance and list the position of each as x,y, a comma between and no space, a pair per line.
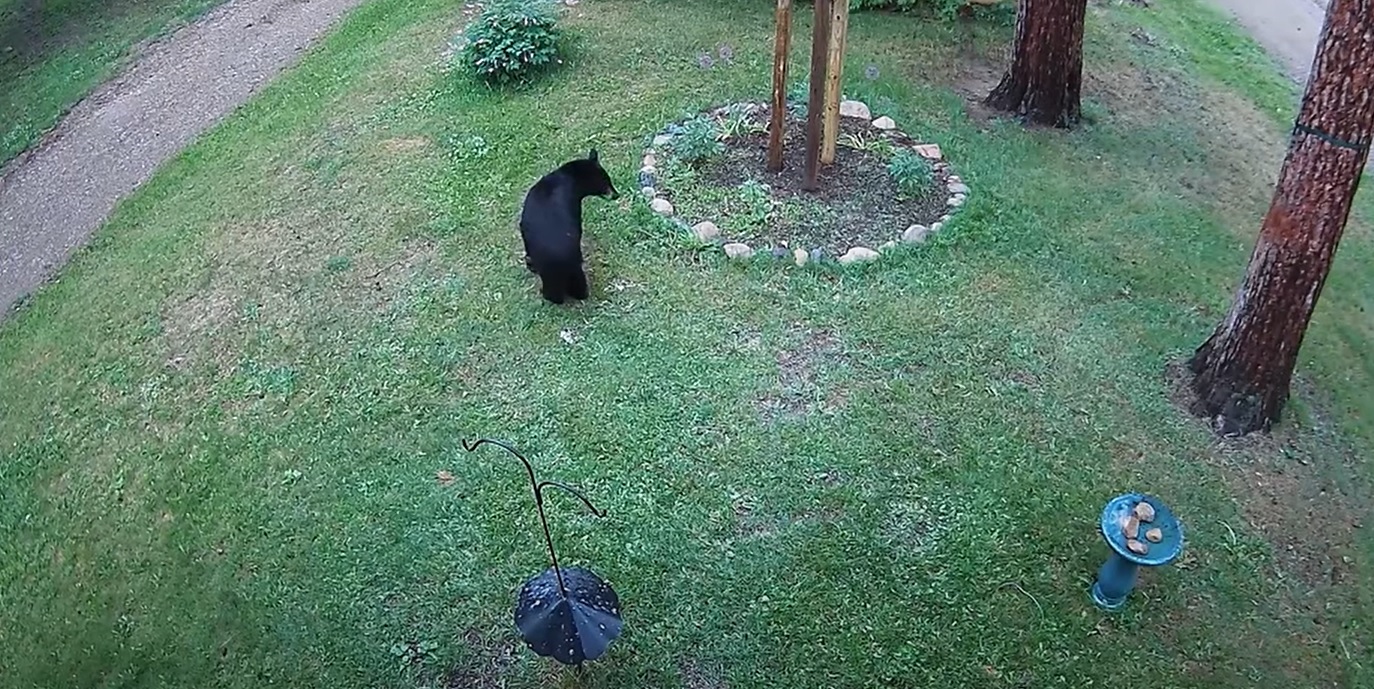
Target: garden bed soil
858,203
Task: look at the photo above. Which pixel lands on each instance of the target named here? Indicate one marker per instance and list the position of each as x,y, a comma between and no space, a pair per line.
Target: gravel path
61,191
1288,29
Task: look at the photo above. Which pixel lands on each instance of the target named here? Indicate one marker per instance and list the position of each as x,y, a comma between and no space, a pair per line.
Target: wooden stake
782,43
820,37
839,30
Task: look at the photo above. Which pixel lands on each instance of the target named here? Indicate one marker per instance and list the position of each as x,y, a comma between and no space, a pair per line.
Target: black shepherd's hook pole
538,489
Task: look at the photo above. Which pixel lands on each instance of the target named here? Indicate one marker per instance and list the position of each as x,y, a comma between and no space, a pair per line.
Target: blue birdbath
1117,576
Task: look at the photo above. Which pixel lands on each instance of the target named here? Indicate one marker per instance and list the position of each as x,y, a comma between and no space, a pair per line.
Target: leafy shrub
912,173
698,141
511,40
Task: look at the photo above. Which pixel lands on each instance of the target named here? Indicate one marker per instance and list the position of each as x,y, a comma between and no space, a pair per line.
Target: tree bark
1242,372
1045,79
820,37
782,43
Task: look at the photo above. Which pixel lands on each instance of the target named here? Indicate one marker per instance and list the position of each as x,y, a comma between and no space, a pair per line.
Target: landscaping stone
888,245
854,108
779,252
885,123
662,140
705,230
956,187
928,151
799,256
738,250
646,179
915,234
649,192
955,201
661,206
936,227
817,254
858,254
650,160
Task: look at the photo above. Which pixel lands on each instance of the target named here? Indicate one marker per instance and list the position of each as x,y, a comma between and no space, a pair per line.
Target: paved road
52,199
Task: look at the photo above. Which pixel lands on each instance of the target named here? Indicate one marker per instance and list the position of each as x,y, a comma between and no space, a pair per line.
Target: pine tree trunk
1045,79
1242,372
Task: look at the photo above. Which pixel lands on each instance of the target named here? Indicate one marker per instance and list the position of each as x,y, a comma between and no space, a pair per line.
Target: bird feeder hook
537,487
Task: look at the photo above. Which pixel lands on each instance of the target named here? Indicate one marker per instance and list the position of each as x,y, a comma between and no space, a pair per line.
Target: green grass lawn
221,428
54,52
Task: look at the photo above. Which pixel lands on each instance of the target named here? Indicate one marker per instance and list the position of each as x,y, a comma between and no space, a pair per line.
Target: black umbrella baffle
570,615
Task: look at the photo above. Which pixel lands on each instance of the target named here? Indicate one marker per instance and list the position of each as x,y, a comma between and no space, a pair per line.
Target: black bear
551,226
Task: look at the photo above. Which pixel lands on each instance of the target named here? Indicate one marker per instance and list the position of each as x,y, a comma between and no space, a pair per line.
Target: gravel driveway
1288,29
53,197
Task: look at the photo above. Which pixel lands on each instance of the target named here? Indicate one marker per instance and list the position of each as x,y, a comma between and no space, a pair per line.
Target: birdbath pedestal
1117,577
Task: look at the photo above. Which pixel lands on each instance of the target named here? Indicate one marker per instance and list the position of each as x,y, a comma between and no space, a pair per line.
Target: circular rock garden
708,174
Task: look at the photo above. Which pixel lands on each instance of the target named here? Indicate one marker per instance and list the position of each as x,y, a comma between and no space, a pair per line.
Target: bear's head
592,179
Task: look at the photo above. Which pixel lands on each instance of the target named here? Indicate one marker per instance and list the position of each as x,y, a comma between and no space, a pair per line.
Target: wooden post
820,36
839,30
782,43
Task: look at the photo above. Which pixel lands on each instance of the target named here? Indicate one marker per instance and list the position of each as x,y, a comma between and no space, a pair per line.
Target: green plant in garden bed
745,210
699,140
738,124
870,142
910,172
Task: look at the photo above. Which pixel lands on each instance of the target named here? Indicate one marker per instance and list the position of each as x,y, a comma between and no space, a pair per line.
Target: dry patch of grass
696,674
802,389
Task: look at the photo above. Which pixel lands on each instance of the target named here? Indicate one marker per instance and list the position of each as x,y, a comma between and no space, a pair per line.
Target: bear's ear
592,156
